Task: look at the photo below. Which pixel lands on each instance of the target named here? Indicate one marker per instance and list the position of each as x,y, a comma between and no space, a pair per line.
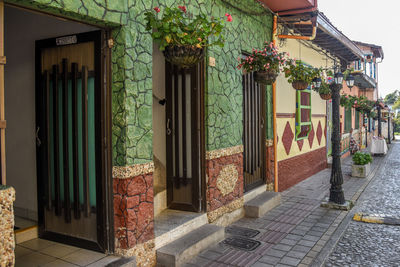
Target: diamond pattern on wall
300,143
287,138
319,132
311,135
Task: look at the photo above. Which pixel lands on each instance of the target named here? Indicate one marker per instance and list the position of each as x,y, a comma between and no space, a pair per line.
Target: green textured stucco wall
132,68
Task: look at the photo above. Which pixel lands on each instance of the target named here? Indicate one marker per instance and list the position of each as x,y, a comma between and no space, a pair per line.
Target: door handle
169,131
38,142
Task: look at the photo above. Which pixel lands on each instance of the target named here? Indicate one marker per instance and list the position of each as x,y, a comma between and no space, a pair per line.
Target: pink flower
183,8
228,17
157,9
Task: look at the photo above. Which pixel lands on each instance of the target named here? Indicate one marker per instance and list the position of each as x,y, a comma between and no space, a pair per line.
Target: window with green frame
303,113
347,120
357,125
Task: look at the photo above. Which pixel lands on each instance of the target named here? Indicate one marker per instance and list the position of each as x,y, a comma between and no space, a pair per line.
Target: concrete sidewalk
298,232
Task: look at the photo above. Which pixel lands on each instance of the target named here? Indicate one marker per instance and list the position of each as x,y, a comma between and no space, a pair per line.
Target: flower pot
183,56
300,85
360,171
325,96
265,77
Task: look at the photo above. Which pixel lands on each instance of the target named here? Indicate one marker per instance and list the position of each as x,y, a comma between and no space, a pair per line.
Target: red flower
228,17
183,8
156,9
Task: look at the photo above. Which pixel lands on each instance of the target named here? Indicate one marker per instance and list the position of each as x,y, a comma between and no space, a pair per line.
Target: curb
373,218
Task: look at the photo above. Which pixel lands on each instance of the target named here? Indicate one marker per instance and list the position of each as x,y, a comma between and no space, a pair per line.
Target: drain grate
241,243
242,231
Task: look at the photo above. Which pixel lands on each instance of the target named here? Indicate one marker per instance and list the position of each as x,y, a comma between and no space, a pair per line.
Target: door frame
198,199
104,201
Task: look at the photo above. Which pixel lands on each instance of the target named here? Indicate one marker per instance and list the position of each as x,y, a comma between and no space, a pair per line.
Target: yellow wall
294,150
286,99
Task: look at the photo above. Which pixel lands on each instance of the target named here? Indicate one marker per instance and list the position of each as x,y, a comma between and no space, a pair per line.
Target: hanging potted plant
183,37
300,75
324,91
265,63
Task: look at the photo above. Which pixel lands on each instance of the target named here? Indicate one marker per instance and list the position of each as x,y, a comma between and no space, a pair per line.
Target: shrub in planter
361,164
265,63
300,75
183,37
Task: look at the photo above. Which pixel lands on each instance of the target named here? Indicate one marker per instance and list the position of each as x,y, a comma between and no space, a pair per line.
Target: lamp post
388,122
379,120
336,194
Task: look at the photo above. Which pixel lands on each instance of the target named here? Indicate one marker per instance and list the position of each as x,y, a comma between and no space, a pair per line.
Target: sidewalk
298,232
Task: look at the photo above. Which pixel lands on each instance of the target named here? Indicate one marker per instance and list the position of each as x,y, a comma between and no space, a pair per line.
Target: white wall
22,28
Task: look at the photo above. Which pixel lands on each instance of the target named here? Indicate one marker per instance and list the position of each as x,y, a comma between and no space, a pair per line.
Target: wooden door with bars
69,134
253,132
184,136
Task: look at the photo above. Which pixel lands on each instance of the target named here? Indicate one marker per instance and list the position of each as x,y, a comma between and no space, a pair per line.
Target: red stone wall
133,210
269,167
215,199
294,170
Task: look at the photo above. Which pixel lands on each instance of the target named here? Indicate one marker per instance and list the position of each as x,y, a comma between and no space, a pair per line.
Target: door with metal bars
183,95
68,138
253,132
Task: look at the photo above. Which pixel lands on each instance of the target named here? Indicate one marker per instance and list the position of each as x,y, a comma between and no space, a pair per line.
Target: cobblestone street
366,244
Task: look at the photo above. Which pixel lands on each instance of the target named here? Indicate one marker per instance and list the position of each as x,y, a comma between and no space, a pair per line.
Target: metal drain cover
242,231
241,243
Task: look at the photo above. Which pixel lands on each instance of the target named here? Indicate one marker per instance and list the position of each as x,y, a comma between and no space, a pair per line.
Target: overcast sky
374,22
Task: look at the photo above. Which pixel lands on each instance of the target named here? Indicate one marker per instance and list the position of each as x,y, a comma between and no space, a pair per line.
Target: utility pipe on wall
274,30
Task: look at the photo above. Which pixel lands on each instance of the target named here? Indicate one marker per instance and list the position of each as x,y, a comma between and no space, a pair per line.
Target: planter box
361,171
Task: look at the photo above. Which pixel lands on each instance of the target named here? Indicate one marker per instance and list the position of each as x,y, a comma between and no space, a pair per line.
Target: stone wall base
7,242
144,253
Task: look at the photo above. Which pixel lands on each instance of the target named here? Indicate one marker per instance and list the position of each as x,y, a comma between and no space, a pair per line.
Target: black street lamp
317,82
336,194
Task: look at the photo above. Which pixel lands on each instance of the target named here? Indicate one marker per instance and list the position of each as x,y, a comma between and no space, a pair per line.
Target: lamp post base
347,205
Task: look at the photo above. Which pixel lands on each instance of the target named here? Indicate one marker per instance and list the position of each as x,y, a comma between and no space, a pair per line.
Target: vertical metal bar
176,126
251,87
195,88
2,111
169,131
46,79
184,161
74,80
244,79
56,128
85,154
257,124
67,201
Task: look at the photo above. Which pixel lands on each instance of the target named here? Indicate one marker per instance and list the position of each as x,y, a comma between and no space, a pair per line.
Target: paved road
365,244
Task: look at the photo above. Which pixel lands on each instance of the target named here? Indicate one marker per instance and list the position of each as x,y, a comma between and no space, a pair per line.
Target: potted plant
300,75
324,91
183,37
361,164
265,63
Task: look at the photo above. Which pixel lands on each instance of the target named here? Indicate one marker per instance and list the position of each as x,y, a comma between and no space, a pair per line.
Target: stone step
171,225
185,248
263,203
26,234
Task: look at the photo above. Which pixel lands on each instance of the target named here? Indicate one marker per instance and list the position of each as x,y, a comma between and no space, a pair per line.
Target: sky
374,22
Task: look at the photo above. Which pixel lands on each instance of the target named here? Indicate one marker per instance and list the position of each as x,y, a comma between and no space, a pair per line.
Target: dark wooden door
70,129
183,136
253,132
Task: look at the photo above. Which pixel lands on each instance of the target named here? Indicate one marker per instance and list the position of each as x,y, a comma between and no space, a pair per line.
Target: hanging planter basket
183,56
265,77
300,85
325,96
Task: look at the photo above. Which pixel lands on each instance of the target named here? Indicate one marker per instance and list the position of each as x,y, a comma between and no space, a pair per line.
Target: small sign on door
66,40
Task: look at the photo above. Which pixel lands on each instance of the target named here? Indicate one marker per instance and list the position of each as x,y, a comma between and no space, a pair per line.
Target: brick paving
298,231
